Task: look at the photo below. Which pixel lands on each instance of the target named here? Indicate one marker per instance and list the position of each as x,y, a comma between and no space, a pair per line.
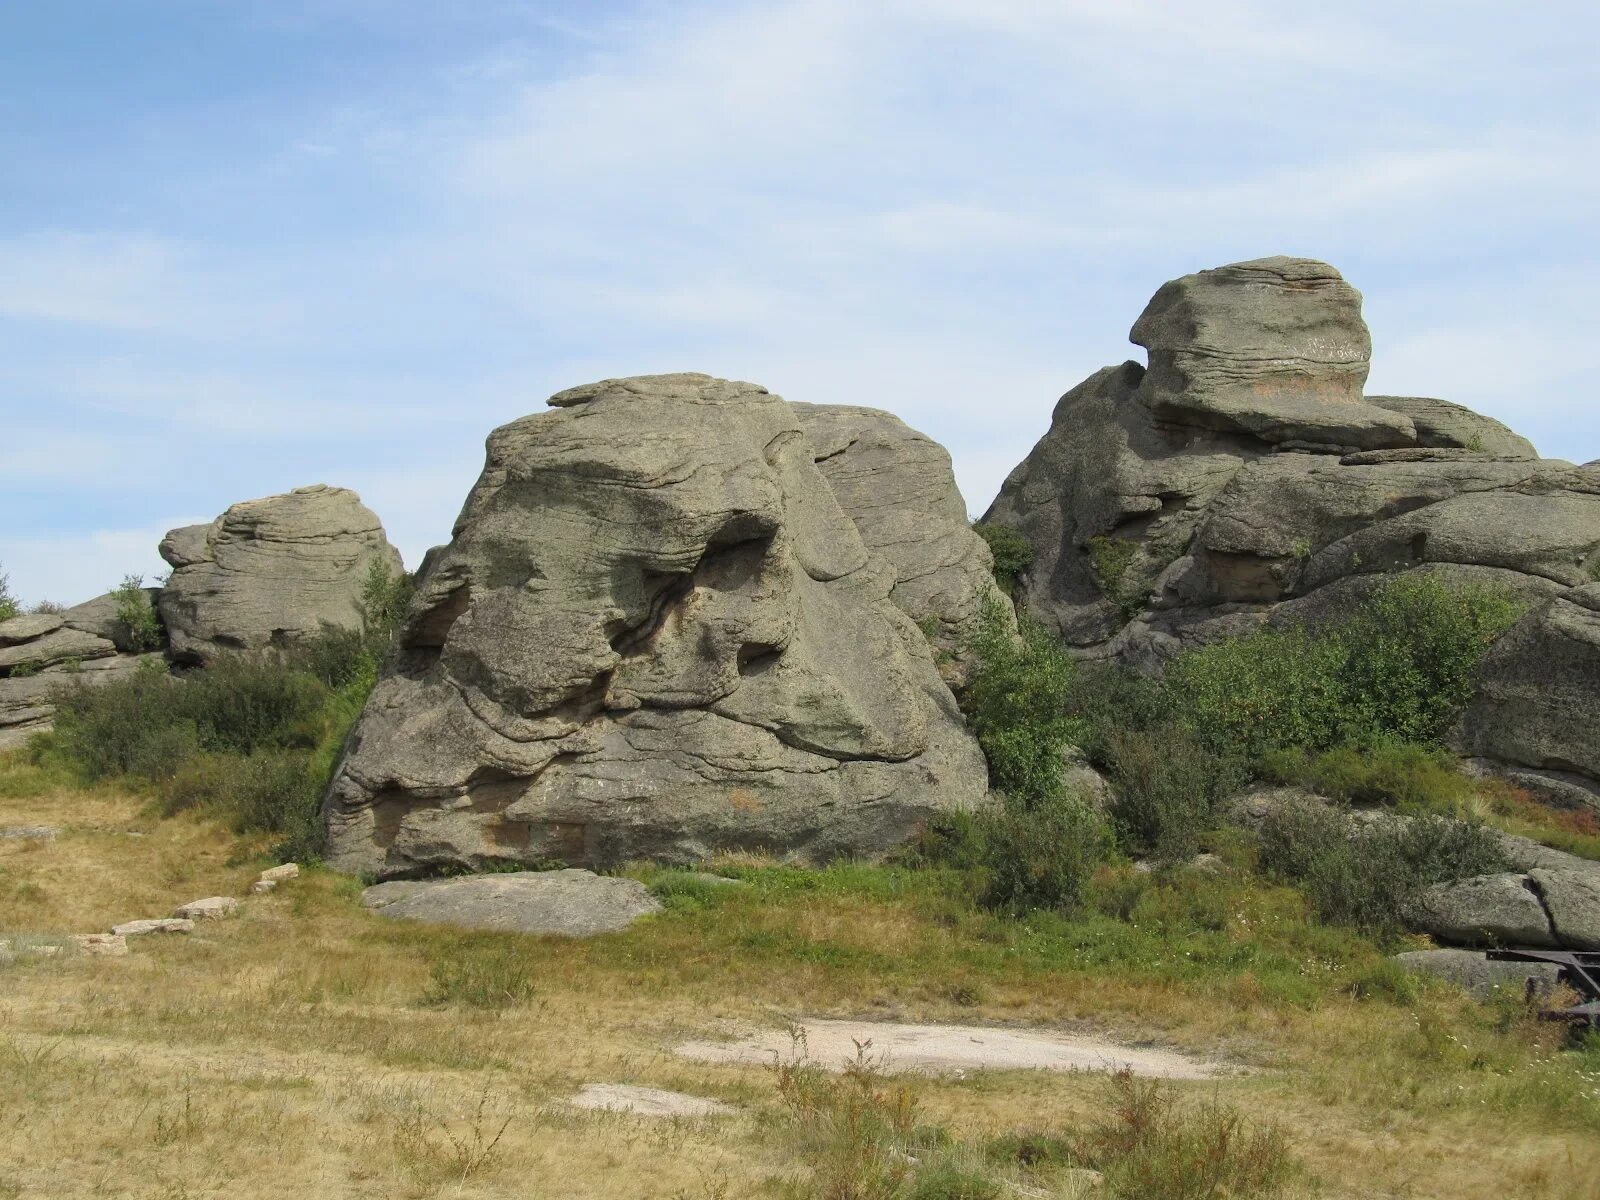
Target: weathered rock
27,702
655,634
1441,423
53,649
212,908
1538,705
1492,910
1275,348
1243,480
570,903
100,945
262,886
1572,898
150,925
30,833
1480,977
898,488
27,627
99,617
271,572
280,873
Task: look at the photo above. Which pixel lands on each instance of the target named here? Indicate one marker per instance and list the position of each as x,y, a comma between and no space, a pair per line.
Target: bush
1012,552
1039,856
1166,789
1363,874
1413,779
1402,668
8,603
136,620
1016,703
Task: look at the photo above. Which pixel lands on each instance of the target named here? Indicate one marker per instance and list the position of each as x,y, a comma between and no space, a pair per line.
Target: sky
247,246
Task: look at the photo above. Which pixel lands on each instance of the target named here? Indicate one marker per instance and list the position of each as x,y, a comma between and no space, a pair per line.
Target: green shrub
1109,560
1166,785
1042,855
1363,873
1012,552
1015,702
8,603
1105,699
1413,779
138,626
1402,668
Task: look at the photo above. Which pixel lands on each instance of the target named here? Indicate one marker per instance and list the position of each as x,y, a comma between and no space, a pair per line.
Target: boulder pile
1243,477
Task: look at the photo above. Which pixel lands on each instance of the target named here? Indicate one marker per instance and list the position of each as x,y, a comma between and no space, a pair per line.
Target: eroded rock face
270,572
898,488
1243,478
655,633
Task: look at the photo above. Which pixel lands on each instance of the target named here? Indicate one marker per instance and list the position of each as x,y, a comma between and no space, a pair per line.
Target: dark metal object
1580,970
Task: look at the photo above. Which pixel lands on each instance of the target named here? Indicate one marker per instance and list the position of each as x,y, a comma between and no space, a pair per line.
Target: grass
397,1060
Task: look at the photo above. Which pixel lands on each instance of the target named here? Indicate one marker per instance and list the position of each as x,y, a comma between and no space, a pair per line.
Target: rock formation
657,633
270,572
1242,477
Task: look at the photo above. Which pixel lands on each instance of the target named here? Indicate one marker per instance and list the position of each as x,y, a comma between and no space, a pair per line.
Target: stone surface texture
1478,976
150,925
658,633
1492,910
212,908
569,903
270,572
1242,478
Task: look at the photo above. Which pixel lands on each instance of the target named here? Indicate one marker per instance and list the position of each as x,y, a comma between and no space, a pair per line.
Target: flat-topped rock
1479,976
149,925
571,903
1274,347
212,908
61,645
1441,423
28,626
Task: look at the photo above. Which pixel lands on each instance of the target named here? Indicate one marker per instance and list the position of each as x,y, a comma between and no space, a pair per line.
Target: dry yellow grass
292,1051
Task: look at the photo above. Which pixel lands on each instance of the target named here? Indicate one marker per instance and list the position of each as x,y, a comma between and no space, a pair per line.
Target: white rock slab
945,1049
212,908
154,925
647,1102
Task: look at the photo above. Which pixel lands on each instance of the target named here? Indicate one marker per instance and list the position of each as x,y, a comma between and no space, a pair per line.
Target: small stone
30,833
108,945
212,908
279,874
262,886
154,925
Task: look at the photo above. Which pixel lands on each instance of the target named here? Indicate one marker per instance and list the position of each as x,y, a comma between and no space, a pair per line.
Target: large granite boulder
655,633
1485,910
898,487
270,572
1243,479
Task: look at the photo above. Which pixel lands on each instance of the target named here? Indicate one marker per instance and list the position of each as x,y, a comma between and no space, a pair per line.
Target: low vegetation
8,603
254,737
1012,552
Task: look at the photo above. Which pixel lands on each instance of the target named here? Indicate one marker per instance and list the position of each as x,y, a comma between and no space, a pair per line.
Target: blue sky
247,246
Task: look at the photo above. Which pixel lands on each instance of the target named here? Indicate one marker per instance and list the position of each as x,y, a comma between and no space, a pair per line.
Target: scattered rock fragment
280,873
30,833
100,945
212,908
647,1102
154,925
262,886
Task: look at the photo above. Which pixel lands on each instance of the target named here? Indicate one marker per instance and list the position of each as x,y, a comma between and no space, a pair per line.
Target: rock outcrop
568,903
655,633
1243,478
270,572
898,487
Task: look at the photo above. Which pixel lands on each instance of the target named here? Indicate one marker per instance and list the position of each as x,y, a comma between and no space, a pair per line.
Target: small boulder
212,908
1492,910
154,925
1573,900
262,886
1478,976
100,945
570,903
280,873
